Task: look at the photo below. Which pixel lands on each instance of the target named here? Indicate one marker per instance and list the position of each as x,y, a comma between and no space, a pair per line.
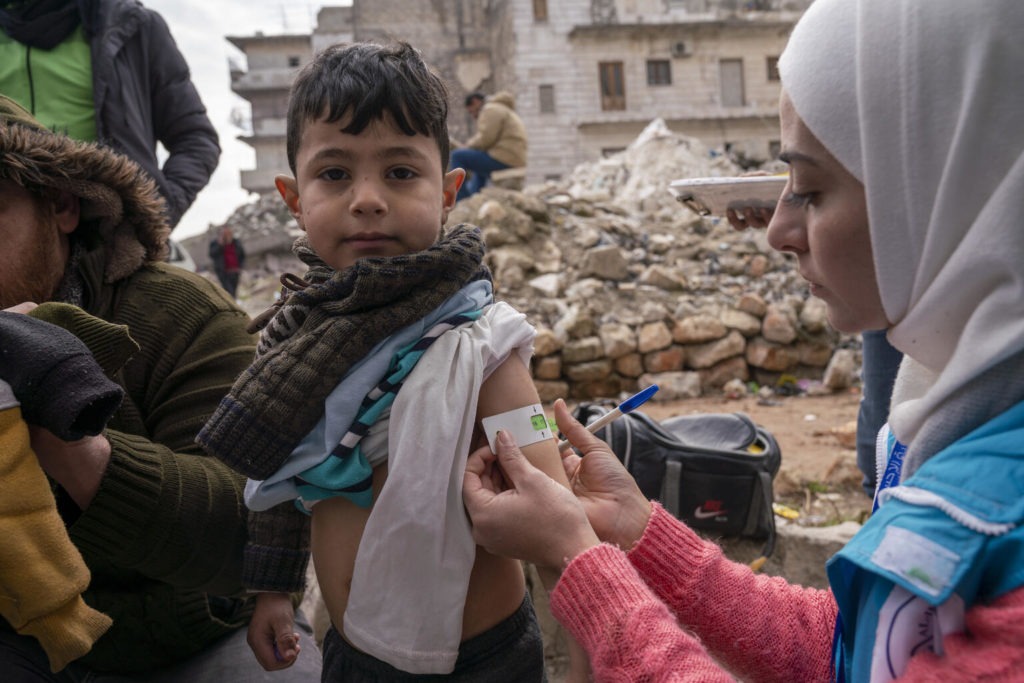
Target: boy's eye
798,200
333,174
402,173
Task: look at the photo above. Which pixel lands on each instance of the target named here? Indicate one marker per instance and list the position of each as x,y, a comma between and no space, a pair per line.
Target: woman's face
822,218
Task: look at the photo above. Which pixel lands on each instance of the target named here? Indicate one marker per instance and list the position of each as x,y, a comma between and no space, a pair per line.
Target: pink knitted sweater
626,611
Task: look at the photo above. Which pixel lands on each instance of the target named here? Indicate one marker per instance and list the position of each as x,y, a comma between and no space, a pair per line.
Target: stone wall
628,288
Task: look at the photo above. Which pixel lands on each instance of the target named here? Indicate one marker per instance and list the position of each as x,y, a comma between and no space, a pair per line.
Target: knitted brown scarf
319,333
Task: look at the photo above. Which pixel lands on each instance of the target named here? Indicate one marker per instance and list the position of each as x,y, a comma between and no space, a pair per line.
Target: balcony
671,111
262,80
258,180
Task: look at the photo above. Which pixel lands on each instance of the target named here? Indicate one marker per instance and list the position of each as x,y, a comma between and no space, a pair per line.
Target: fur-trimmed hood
120,204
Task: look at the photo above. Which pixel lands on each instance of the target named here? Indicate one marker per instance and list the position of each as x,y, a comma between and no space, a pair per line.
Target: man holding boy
160,527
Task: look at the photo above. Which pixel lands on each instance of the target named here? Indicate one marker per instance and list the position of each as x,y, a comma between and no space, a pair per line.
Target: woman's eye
797,199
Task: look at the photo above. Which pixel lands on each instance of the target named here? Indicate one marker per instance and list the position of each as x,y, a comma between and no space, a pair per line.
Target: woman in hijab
903,126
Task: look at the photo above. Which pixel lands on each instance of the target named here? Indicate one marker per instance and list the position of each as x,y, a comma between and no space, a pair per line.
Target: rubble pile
627,287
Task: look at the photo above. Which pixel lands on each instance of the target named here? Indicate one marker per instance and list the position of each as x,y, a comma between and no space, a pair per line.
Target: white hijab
923,101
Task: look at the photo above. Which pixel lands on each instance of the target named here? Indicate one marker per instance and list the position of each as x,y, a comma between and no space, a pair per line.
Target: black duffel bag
713,471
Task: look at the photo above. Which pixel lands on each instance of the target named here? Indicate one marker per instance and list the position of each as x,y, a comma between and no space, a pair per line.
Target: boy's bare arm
511,387
508,388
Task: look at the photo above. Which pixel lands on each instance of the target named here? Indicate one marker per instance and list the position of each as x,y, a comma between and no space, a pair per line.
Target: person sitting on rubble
901,126
499,142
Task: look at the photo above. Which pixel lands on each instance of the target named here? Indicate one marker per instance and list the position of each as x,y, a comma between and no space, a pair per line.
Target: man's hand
23,307
615,506
78,466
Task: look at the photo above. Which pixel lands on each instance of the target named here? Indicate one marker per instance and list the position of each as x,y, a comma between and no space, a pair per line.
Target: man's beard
37,274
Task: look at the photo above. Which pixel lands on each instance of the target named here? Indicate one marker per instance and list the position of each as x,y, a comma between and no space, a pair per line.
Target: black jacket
144,93
141,88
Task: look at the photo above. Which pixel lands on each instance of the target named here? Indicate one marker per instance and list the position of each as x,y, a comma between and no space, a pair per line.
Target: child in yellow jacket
50,374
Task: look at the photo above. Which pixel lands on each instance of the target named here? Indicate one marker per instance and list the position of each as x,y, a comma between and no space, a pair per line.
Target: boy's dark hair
369,80
473,97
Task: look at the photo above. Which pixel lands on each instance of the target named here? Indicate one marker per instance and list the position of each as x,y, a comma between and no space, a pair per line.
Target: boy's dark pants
511,651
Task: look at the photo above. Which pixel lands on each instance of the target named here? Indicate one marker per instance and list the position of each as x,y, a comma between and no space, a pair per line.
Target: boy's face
378,193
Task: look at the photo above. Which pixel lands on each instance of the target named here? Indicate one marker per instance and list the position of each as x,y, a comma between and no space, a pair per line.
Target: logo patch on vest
921,562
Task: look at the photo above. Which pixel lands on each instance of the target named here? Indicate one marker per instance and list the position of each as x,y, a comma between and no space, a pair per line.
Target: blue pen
630,404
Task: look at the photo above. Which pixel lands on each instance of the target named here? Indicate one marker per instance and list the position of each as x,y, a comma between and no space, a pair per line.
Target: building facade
588,75
273,62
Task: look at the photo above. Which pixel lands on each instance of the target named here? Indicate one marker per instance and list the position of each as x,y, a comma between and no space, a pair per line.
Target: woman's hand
616,508
518,511
750,217
743,217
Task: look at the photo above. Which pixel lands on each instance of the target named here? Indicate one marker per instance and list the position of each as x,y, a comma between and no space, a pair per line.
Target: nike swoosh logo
700,513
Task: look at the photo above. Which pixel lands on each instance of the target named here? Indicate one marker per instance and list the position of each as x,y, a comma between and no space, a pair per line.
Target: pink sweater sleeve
628,633
624,612
621,611
760,627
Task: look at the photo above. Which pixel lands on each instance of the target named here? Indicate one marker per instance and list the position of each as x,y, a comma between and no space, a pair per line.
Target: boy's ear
453,180
289,189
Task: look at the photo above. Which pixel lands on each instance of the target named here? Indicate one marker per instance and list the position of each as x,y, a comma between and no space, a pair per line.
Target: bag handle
769,545
669,497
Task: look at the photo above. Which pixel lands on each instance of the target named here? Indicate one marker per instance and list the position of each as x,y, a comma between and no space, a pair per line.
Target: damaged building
587,75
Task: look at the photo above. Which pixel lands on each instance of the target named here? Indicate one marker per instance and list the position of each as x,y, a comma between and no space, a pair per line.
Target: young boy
368,391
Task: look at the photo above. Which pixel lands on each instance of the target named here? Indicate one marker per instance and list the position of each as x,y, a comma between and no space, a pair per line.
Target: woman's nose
787,230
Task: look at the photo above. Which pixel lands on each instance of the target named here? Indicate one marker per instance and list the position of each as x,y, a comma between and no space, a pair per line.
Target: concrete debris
625,286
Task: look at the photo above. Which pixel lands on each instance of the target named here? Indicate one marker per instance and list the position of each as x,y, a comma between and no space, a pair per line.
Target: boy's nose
368,198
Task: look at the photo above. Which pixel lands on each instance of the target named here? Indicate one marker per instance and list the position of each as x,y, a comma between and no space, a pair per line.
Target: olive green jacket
164,536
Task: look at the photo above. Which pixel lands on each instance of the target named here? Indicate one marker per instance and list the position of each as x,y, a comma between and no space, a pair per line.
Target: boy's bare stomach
496,584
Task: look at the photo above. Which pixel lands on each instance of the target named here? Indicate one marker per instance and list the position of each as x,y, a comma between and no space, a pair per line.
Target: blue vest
947,538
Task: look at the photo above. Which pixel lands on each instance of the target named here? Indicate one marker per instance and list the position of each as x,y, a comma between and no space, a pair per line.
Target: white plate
715,195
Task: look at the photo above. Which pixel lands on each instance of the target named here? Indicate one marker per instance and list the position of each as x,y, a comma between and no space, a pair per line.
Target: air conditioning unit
680,48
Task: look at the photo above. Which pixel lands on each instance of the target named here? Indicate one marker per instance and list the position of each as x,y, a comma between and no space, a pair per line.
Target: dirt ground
816,434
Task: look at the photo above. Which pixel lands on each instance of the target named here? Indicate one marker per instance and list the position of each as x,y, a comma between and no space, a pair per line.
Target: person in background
499,142
901,126
109,71
160,526
228,258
